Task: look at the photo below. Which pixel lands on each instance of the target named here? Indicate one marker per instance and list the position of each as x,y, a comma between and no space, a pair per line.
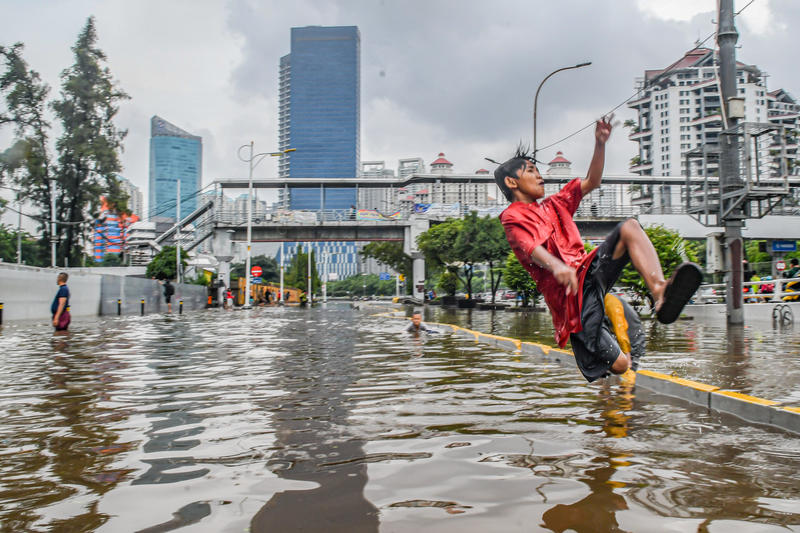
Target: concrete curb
743,406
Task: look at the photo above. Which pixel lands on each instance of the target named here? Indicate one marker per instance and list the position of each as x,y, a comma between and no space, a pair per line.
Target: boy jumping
547,243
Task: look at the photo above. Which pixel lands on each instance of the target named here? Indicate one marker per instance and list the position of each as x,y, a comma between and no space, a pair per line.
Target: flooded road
758,358
331,419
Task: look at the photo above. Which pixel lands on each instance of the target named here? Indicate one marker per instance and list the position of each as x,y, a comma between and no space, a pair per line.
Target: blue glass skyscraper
319,116
319,112
175,155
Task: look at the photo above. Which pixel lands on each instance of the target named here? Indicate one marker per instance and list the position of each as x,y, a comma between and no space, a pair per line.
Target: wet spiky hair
511,167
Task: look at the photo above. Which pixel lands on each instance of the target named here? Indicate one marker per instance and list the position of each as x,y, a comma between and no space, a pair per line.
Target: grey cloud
472,70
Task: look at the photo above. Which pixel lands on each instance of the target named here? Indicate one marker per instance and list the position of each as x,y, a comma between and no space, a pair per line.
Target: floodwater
759,358
330,419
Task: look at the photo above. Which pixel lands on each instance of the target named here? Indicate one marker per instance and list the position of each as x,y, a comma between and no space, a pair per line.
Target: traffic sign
780,266
384,276
784,246
256,271
256,281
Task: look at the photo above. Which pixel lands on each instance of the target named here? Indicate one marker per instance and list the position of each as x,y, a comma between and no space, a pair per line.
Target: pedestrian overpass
597,215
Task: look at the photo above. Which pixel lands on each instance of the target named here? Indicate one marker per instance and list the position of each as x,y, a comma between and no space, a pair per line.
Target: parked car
510,295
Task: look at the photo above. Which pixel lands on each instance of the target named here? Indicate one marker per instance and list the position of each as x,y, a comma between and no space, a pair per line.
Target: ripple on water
225,421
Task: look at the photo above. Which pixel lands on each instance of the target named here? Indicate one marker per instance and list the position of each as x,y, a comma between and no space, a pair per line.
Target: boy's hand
602,129
566,276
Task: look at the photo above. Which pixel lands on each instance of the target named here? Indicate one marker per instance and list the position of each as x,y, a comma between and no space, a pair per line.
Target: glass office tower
175,155
319,116
319,95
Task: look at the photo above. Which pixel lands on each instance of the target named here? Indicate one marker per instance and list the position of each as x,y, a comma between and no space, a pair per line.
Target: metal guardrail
779,291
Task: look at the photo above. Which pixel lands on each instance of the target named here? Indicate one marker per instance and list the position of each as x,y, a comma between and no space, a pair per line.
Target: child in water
546,241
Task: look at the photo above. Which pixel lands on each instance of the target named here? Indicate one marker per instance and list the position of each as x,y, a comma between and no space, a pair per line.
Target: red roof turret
559,158
441,160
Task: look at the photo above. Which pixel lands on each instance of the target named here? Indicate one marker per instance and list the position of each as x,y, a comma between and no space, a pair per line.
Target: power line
166,206
635,94
44,219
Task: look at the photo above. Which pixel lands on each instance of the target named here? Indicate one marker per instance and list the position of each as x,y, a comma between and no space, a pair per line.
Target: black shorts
595,347
168,298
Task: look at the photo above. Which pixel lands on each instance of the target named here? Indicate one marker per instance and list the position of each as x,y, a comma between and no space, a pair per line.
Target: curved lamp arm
536,98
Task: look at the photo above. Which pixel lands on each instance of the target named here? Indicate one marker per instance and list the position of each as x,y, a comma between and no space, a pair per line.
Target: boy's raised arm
602,131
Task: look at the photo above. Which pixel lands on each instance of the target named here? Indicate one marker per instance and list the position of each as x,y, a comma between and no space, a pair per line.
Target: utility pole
282,297
309,293
178,237
53,223
252,161
729,177
325,276
19,228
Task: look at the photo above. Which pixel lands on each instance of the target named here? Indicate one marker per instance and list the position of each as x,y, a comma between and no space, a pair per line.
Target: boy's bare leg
643,255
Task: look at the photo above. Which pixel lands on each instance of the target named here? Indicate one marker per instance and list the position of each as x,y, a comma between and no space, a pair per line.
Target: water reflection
172,357
332,420
756,358
313,440
597,511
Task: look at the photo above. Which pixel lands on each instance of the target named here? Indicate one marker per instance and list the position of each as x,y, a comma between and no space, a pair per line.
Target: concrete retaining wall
131,291
743,406
27,292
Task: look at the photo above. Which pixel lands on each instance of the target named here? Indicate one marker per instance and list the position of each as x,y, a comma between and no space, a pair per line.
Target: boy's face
416,319
528,185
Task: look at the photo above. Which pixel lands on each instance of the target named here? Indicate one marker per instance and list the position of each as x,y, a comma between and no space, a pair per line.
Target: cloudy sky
436,76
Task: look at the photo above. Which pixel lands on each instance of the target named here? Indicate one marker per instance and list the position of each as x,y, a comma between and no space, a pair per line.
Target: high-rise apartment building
466,194
135,201
679,109
175,156
379,199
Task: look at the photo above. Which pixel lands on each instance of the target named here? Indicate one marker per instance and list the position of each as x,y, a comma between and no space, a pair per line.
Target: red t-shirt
549,223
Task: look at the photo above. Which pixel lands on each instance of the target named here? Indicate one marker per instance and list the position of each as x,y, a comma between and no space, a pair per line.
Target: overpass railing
586,211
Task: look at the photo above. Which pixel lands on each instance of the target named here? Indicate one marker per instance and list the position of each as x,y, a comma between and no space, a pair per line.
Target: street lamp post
53,239
252,161
536,98
282,296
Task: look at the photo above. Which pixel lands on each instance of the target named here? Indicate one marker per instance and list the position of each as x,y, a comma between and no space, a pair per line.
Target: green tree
28,160
448,283
111,260
362,285
758,262
390,253
518,279
491,248
445,248
467,247
269,268
297,273
162,265
33,253
89,147
672,250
